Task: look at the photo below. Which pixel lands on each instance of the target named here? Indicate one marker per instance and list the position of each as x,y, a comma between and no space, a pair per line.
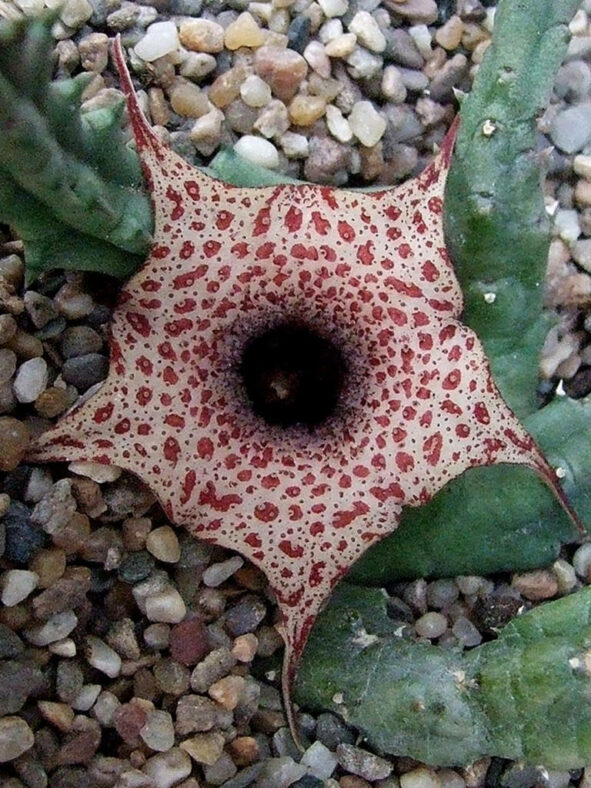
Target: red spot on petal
481,413
404,461
139,323
205,448
291,550
293,219
346,232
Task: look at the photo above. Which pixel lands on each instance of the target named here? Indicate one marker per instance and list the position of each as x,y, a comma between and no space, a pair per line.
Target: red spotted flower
288,370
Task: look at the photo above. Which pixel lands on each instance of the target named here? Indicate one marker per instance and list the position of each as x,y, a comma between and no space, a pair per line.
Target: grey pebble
221,771
442,593
573,81
18,680
84,371
246,615
362,763
80,340
400,48
279,773
244,777
10,643
298,33
136,566
571,128
40,308
332,731
214,666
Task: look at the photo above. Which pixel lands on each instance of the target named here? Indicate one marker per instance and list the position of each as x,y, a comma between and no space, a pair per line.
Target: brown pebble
51,402
245,647
251,578
282,69
135,532
226,87
61,715
25,345
227,691
244,750
536,585
189,641
159,109
129,719
81,743
72,536
201,35
49,565
88,496
353,782
305,110
66,593
244,32
14,439
8,328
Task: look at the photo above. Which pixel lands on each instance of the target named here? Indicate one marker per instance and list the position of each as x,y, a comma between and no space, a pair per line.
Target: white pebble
582,166
566,225
338,126
31,380
166,606
169,768
295,146
161,39
63,648
393,86
87,696
75,13
331,29
258,151
366,123
57,627
565,576
17,584
197,65
317,59
334,7
102,657
420,778
96,471
421,36
255,92
367,31
104,708
158,731
342,46
363,63
431,625
216,574
321,762
582,561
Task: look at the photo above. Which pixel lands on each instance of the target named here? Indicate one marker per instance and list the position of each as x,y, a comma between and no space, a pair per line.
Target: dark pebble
70,777
69,680
17,681
10,643
135,567
332,731
494,611
579,385
23,537
446,8
85,371
308,781
519,775
245,616
15,483
101,580
398,610
80,341
401,49
99,316
52,329
298,33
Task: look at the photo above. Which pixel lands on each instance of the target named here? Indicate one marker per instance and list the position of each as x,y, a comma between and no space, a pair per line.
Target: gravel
142,642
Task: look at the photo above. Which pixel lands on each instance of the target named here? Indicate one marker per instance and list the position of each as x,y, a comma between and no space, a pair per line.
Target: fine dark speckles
371,269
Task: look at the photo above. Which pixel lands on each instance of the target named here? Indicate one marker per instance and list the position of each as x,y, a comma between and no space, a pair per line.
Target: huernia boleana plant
288,370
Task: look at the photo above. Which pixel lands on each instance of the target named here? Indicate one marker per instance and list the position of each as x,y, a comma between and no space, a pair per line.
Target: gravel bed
126,646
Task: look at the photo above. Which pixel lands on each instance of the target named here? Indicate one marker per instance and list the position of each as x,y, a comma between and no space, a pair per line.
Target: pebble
571,128
295,146
338,126
342,46
279,773
442,593
23,537
368,32
189,641
582,561
320,761
244,32
52,402
164,545
15,738
362,763
366,123
213,667
565,576
417,11
94,52
31,379
258,151
166,606
227,691
216,574
282,69
57,627
317,58
204,748
465,631
10,643
201,35
305,110
59,714
102,657
14,439
431,625
332,8
197,65
17,584
85,371
255,92
40,308
169,768
422,777
161,39
245,647
536,585
74,13
566,225
245,616
393,86
158,731
8,328
449,35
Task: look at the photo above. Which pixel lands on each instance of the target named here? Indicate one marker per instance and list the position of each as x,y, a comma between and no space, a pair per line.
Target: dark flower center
292,375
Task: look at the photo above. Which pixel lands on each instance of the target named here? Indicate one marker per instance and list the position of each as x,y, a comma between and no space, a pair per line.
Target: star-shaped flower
288,370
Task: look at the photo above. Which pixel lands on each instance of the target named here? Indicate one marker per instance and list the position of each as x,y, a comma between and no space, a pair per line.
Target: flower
288,370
